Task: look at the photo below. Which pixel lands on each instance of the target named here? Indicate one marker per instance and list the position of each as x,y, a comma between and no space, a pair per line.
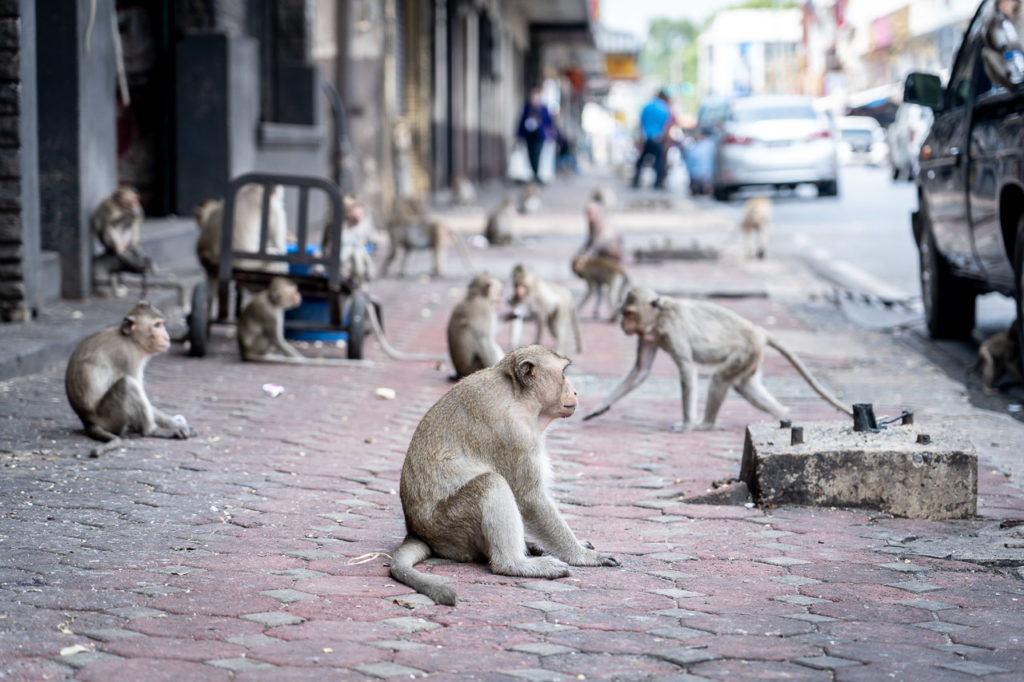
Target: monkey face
284,293
145,326
570,400
127,200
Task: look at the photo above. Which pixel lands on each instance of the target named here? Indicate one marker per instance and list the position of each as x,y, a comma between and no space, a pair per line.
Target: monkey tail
811,381
412,551
389,350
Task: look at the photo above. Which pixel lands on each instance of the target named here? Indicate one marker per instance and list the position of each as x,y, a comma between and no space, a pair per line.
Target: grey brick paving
826,662
974,668
387,670
685,656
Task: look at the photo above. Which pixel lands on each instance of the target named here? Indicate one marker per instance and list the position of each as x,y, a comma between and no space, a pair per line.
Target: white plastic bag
546,165
519,164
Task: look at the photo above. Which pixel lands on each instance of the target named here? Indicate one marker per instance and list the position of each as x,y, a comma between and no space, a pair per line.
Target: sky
634,15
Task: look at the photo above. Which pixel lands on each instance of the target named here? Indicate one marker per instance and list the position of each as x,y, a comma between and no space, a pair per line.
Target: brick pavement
258,550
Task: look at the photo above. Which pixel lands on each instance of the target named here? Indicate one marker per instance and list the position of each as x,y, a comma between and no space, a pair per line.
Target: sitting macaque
602,240
261,322
411,228
117,223
463,192
246,234
552,305
602,275
757,216
693,332
500,223
999,357
529,199
475,477
473,326
356,232
104,381
605,197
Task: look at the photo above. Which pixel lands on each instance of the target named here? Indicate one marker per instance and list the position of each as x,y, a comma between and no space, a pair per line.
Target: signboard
621,66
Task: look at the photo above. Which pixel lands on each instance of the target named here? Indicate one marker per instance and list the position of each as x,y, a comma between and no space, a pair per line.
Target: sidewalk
258,550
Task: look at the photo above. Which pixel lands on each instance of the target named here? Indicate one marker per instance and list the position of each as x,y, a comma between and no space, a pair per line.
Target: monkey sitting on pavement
757,216
529,199
602,275
104,381
602,240
261,322
117,223
474,480
999,357
552,305
411,228
499,230
693,332
473,327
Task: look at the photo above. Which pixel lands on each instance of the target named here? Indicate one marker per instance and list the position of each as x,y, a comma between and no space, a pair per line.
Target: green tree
669,58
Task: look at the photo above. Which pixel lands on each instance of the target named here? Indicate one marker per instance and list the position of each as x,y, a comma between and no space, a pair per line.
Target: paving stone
386,670
771,534
397,645
799,599
111,634
780,547
810,617
300,574
905,567
158,590
940,626
784,561
542,649
133,612
926,604
411,624
411,600
963,649
677,594
974,668
685,656
547,586
239,665
311,554
545,606
674,575
273,619
679,633
288,596
86,658
826,662
666,518
794,580
817,639
676,613
175,570
671,557
253,641
537,675
544,628
915,586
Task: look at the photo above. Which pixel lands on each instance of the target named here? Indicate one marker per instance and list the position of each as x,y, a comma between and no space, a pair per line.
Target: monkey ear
127,325
527,370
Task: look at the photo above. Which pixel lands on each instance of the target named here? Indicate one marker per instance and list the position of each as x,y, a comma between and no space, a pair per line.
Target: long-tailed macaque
603,275
552,305
473,326
104,381
411,228
602,240
463,192
999,357
246,233
261,322
757,216
357,231
529,199
117,223
499,230
475,477
693,332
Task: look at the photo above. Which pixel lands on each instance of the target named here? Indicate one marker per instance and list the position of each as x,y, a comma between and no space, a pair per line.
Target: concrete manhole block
889,470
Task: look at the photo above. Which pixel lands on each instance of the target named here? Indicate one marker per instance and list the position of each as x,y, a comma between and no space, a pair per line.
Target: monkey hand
589,557
598,412
181,427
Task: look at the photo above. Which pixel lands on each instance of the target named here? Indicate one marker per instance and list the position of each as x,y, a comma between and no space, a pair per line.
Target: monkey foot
535,567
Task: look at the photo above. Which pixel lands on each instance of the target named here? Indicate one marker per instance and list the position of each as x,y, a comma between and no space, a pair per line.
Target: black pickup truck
969,225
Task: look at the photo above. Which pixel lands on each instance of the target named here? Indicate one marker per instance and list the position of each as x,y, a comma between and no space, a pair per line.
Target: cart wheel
198,323
356,327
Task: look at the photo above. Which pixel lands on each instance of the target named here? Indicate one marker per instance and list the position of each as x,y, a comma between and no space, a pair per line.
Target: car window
774,113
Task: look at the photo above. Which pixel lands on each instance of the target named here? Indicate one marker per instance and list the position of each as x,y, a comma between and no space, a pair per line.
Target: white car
861,140
906,135
777,140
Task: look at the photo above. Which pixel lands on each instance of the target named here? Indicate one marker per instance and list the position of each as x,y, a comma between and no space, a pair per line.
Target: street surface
259,549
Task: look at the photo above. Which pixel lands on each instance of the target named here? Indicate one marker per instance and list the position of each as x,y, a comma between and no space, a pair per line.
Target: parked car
861,140
778,140
906,135
969,225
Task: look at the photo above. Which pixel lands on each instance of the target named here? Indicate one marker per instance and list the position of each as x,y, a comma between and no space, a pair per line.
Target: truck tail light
736,139
820,135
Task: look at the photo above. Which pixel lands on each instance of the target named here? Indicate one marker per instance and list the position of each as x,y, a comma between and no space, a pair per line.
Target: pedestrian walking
655,121
535,128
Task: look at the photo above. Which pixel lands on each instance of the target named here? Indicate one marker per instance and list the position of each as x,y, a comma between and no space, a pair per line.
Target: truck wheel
828,189
948,301
722,193
1018,294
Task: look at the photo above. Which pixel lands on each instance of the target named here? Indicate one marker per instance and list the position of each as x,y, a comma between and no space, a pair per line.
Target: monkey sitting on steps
474,480
693,332
117,223
104,381
999,357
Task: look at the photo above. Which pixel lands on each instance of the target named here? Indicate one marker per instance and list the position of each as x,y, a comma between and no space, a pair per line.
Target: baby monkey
104,381
693,332
261,322
999,357
473,327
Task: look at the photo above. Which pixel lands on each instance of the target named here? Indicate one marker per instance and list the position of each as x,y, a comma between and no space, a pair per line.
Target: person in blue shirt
535,126
655,121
